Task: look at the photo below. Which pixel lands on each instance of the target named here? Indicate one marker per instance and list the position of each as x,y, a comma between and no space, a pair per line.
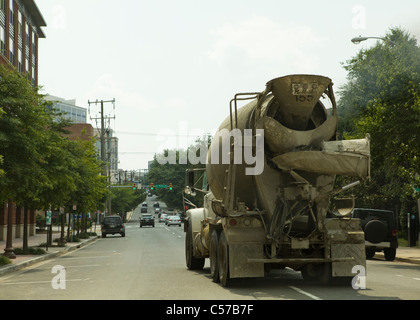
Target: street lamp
359,39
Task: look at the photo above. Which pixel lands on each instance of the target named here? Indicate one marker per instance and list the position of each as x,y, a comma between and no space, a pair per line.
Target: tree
382,98
126,199
42,167
175,173
91,188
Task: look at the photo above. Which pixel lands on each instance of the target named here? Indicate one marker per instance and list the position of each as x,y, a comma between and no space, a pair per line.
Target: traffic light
152,186
170,186
134,186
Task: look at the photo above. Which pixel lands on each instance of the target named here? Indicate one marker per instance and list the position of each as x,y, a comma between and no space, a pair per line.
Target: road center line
305,293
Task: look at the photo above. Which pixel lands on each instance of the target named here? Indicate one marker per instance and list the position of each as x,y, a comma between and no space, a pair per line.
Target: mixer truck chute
279,217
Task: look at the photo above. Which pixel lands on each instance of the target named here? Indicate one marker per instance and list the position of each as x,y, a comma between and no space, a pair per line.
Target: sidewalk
23,261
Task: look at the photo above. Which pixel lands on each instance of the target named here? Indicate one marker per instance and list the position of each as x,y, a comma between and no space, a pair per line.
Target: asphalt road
149,264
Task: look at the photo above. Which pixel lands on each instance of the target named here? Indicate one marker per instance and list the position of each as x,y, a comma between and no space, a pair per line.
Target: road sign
49,218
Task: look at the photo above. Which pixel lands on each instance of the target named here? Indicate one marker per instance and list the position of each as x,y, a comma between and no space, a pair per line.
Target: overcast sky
173,65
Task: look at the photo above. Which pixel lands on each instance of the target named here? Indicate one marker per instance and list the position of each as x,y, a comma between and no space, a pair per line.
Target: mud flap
355,251
239,253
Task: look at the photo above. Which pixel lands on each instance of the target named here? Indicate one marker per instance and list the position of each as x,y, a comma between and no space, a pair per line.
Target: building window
27,34
12,13
33,43
20,60
2,40
20,24
3,6
11,50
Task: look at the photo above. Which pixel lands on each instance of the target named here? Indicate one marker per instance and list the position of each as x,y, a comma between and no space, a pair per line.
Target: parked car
380,230
112,225
147,220
162,217
173,220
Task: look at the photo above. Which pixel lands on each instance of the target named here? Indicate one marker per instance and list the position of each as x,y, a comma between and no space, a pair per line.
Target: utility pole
103,144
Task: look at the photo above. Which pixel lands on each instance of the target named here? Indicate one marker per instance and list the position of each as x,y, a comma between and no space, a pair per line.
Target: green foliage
126,199
175,173
382,98
29,251
41,222
4,260
41,166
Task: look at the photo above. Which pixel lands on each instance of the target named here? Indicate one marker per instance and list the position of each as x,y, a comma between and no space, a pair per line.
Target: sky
172,66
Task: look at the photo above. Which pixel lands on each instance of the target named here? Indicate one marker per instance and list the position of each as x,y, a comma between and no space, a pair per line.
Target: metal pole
103,138
8,251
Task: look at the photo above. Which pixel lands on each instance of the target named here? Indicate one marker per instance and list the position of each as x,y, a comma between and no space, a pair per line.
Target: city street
149,264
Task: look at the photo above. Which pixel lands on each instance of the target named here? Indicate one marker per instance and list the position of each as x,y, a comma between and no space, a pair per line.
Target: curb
400,259
23,264
407,260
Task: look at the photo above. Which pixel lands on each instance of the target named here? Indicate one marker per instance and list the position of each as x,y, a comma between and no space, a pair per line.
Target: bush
4,260
30,251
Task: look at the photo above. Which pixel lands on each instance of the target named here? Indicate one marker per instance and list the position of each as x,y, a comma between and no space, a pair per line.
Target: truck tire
320,272
223,260
214,251
193,263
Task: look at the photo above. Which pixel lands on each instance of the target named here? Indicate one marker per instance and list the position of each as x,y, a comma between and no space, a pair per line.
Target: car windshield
146,216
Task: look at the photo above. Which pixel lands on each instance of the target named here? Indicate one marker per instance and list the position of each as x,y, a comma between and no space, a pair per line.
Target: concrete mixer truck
270,198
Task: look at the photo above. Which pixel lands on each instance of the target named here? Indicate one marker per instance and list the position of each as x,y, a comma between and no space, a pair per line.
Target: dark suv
147,220
112,225
380,231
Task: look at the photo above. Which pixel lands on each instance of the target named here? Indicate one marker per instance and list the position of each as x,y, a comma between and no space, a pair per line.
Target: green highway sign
161,186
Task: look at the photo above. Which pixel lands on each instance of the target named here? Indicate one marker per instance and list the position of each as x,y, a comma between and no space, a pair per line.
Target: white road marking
38,282
305,293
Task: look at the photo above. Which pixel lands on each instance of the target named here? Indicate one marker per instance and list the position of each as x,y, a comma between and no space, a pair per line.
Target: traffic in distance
163,214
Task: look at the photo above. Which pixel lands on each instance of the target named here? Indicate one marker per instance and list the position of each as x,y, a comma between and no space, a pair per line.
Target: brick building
20,29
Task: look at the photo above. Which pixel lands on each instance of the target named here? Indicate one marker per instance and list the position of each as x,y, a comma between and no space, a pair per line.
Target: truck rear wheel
193,263
223,260
320,272
214,252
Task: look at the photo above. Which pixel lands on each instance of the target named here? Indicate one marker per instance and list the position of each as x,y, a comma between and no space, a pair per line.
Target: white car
162,217
173,220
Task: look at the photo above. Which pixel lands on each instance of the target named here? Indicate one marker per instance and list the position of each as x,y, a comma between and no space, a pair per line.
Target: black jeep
380,231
